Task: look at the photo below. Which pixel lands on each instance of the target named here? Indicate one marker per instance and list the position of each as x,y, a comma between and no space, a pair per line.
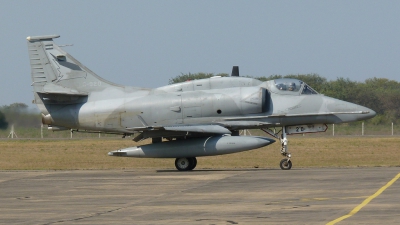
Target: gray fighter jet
184,120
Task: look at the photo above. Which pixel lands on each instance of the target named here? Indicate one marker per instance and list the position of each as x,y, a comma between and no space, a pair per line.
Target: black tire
285,164
182,164
192,162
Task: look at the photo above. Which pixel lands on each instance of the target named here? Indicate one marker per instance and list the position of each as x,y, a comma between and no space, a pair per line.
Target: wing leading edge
212,129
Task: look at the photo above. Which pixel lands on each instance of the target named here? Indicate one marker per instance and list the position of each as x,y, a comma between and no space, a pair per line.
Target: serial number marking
300,129
92,84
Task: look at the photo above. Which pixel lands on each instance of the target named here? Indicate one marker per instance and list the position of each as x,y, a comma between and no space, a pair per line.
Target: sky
145,43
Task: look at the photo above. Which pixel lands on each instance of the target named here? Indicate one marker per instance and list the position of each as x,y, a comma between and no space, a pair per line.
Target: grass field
82,154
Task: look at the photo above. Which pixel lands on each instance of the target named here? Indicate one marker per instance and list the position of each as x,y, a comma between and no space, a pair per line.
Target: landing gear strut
285,164
185,164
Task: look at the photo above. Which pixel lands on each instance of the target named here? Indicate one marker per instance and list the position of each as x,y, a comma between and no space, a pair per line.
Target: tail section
61,84
54,71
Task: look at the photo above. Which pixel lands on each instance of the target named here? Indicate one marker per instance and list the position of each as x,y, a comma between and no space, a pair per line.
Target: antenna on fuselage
235,71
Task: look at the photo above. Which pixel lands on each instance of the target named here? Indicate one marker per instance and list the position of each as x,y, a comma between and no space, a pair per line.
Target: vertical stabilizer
54,71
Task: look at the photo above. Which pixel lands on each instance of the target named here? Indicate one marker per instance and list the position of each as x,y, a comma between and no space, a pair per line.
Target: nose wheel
285,164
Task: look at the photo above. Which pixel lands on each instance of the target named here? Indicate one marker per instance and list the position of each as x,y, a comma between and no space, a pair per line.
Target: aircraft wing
208,128
290,115
215,129
198,128
240,124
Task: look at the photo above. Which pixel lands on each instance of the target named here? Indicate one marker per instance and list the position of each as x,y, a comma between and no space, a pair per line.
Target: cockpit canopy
292,87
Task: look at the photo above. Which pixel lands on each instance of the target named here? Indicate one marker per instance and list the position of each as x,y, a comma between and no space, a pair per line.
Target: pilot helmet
291,86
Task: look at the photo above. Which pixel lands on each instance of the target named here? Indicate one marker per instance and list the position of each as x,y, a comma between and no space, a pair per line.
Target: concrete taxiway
259,196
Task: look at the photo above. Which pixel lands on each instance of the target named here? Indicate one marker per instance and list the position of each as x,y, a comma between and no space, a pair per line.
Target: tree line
380,94
20,115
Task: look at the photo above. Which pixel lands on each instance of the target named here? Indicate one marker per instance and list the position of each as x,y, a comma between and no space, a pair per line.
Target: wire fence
346,129
363,129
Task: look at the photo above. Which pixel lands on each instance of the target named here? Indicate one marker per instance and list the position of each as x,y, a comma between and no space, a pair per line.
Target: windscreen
307,90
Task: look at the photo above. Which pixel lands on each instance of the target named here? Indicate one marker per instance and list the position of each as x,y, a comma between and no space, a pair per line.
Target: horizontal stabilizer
43,37
50,88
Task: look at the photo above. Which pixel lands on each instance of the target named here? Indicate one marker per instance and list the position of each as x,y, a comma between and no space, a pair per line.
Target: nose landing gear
285,164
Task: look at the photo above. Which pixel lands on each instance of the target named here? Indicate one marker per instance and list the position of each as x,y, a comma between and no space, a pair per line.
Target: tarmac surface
249,196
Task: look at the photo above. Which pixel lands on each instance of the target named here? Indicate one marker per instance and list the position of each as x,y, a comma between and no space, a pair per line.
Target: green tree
20,115
15,107
3,122
264,78
387,94
193,76
342,88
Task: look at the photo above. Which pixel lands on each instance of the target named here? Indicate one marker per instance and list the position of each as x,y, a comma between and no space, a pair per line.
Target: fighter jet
184,120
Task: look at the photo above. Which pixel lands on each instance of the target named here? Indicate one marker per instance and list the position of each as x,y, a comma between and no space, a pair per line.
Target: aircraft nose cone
345,112
367,113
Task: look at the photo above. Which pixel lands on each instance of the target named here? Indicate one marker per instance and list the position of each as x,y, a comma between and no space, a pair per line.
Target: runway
249,196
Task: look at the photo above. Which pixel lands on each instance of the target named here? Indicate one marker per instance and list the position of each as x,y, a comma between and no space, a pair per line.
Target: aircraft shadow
215,170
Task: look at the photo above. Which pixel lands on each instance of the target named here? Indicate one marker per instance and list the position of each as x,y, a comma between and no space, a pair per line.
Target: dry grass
92,154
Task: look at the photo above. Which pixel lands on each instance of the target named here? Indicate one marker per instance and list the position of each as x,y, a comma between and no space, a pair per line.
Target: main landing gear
285,164
185,164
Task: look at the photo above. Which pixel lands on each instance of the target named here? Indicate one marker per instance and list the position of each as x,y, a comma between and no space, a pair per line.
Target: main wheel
192,163
285,164
182,164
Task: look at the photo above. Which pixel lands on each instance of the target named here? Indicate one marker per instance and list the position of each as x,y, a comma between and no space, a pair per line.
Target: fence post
333,129
12,132
362,129
392,128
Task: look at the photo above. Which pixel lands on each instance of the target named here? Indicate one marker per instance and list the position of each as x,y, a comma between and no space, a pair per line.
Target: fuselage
203,102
